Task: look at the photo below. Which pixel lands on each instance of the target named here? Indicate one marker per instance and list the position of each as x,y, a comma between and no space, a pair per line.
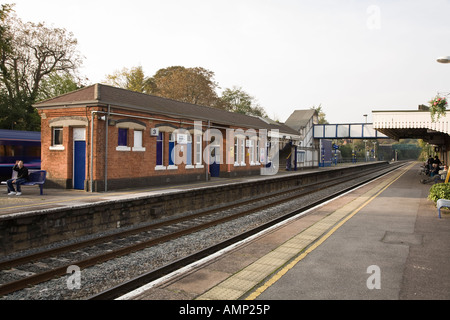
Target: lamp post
445,59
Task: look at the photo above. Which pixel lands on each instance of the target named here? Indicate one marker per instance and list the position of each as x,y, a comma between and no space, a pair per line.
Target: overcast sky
352,57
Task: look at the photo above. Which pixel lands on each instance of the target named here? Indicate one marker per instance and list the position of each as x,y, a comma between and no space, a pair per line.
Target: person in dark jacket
22,177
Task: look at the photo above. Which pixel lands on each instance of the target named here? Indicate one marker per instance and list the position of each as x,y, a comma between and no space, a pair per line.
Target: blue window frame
123,137
171,147
159,149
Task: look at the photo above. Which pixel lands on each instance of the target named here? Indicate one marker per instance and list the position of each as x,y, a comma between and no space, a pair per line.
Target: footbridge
347,131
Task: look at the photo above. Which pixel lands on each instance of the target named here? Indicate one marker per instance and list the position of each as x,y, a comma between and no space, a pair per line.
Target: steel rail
106,238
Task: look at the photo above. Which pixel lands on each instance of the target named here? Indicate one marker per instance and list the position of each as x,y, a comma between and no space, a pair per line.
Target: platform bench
442,203
36,177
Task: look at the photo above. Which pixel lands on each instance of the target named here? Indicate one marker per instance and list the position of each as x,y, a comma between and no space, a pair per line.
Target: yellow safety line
289,266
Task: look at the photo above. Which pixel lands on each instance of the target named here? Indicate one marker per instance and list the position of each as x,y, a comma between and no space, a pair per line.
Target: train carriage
19,145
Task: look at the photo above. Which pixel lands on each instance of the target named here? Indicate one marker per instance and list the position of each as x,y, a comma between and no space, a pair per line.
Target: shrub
439,191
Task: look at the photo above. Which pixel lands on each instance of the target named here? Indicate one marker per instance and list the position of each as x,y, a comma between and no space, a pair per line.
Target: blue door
79,167
214,167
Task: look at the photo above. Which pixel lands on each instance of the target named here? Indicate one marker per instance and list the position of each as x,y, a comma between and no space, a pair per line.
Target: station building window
239,151
180,149
57,136
189,152
57,139
198,151
160,152
122,144
172,153
251,152
138,144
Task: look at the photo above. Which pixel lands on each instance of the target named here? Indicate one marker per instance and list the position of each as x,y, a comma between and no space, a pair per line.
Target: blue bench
34,178
442,203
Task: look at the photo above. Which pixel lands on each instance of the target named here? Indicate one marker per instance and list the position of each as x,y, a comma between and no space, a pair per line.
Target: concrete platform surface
383,241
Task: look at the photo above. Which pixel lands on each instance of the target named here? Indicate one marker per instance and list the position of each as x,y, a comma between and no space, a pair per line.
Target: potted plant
437,107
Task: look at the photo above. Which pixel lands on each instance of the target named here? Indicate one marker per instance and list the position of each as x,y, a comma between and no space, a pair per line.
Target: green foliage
321,114
439,191
239,101
29,54
437,107
57,84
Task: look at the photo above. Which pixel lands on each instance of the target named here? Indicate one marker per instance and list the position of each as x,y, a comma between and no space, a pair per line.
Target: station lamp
444,59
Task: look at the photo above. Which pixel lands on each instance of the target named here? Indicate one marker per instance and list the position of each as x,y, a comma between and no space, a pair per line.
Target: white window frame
173,138
242,155
198,152
57,146
138,141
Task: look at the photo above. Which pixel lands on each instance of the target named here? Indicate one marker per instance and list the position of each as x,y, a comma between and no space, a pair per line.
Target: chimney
97,92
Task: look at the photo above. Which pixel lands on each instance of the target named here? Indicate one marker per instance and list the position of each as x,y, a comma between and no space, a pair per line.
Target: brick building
101,138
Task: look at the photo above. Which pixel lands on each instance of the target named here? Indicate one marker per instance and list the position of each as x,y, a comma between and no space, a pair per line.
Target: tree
134,80
35,51
237,100
57,84
321,114
192,85
4,36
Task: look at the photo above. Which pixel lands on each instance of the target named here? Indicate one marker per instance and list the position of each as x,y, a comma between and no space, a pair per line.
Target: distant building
308,148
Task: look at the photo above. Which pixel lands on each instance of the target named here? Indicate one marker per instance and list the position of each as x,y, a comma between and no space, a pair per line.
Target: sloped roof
300,118
117,97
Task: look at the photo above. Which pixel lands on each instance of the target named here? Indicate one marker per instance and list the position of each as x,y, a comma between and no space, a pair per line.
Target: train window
10,151
34,151
18,151
57,136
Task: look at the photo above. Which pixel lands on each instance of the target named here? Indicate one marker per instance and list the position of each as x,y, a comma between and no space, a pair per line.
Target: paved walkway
382,241
393,247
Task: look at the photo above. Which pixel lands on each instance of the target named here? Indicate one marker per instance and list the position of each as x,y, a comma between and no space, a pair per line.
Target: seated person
22,177
434,170
443,173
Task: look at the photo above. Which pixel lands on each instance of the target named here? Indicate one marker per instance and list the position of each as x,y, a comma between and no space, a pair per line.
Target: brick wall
125,168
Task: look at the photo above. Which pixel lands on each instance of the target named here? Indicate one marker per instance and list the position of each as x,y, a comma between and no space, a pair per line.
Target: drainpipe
92,153
106,147
209,153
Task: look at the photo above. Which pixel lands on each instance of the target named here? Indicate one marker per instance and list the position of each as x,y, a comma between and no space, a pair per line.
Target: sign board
182,138
154,132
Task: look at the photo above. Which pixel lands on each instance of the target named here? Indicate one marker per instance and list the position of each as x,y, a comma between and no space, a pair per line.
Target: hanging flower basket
437,107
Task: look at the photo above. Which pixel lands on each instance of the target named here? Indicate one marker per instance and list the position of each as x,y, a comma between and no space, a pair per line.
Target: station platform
383,241
392,246
31,200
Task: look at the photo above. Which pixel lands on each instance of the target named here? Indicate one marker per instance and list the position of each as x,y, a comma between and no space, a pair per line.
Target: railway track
43,266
